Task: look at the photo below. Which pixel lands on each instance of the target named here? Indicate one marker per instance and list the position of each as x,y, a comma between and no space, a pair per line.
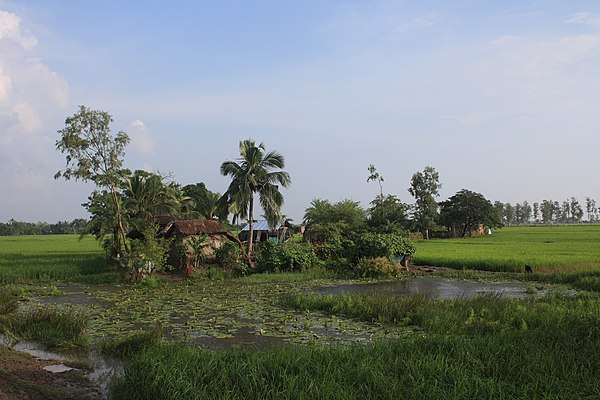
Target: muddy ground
23,377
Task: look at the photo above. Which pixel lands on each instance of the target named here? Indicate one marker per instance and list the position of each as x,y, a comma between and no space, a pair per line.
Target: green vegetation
548,249
25,259
552,355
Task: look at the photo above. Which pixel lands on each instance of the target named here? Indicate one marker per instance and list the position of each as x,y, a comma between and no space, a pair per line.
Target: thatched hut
189,237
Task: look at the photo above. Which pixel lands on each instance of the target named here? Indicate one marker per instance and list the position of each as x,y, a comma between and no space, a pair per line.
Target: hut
191,237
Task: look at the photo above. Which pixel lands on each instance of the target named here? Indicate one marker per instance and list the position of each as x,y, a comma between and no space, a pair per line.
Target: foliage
373,245
148,254
229,255
424,187
255,172
9,299
147,195
375,267
206,203
472,348
466,210
388,214
286,257
346,212
16,228
93,154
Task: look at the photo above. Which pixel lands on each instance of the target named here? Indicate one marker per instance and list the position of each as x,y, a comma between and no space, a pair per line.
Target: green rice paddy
547,249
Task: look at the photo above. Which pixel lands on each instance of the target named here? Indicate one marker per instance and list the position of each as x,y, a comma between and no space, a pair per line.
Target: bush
375,267
148,254
286,257
229,255
373,245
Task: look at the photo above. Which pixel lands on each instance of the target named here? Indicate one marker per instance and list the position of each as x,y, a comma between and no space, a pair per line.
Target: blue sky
501,98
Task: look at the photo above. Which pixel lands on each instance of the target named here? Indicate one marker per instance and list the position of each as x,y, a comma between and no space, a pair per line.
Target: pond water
435,287
103,369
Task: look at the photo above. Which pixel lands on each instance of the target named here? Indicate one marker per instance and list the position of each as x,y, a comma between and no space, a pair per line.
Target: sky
501,98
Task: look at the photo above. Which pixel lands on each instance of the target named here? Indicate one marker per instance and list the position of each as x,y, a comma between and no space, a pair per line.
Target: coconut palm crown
256,171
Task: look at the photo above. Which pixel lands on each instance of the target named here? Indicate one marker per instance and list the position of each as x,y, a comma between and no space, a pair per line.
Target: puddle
104,370
434,287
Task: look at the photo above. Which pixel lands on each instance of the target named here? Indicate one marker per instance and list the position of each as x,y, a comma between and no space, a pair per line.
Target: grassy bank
46,258
549,250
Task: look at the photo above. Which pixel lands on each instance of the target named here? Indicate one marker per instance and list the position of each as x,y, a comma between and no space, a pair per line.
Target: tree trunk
251,226
119,222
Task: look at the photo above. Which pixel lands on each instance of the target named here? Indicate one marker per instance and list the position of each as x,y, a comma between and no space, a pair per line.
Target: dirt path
23,377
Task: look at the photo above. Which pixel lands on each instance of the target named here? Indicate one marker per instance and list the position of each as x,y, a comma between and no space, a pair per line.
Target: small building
186,233
262,232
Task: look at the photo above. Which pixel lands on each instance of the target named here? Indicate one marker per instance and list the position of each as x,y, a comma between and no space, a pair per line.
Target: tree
387,214
424,187
94,154
536,212
576,210
146,196
509,214
255,172
466,210
375,176
547,211
207,203
327,222
590,208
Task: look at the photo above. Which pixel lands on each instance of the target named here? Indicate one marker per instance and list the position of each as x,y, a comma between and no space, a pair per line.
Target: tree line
13,227
569,211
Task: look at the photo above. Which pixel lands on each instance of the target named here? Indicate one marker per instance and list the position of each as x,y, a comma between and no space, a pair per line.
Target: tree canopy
424,187
466,210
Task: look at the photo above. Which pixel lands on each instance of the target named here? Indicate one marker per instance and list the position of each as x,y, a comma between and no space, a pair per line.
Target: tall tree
466,210
94,154
547,211
256,171
207,203
147,195
509,214
576,210
590,208
424,187
536,212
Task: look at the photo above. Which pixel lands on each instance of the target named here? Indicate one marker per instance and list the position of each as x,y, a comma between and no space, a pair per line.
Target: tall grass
470,349
27,259
552,249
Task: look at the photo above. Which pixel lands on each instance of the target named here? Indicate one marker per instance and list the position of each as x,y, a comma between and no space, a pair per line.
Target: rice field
47,258
547,249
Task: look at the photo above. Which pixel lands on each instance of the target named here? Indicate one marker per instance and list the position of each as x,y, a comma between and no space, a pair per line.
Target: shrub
229,255
288,257
375,267
373,245
148,254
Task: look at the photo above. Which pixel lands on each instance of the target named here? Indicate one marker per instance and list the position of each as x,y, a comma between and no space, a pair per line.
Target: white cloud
585,18
141,138
32,96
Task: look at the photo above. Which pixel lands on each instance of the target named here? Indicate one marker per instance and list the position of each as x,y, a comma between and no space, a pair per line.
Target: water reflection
434,287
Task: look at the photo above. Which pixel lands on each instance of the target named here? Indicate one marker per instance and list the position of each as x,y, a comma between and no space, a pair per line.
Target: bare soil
23,377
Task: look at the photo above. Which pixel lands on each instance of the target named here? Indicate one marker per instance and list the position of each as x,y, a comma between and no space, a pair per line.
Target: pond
434,287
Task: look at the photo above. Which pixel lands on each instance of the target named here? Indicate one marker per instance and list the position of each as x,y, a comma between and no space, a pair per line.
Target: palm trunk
119,221
251,226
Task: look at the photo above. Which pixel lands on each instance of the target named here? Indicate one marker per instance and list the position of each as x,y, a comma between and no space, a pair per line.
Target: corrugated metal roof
260,225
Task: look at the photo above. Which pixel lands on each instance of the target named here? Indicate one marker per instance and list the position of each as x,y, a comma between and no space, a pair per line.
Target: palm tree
255,172
146,195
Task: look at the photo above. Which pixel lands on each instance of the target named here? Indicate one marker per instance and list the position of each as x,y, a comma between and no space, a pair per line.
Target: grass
569,249
28,259
507,366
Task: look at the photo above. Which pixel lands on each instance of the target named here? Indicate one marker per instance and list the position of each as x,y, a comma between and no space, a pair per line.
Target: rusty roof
197,226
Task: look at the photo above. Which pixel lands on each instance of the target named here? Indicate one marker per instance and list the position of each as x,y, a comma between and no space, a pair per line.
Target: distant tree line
570,211
14,228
